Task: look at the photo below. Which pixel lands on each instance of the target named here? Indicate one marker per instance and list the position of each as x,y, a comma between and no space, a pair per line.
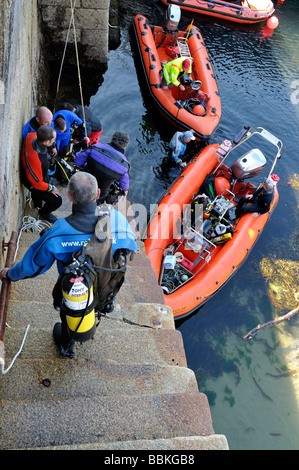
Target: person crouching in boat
259,202
173,72
178,144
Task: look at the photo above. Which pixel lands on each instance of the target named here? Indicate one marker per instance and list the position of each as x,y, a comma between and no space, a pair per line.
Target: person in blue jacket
93,125
64,123
107,163
43,117
70,234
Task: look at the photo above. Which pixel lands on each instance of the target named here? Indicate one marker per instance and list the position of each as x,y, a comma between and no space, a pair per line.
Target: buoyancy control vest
95,274
109,167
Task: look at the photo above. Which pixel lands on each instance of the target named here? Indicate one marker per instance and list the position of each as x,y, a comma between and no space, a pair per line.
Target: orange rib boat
249,12
194,241
199,106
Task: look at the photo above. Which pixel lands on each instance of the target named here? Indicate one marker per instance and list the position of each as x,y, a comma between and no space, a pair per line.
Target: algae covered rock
282,278
294,181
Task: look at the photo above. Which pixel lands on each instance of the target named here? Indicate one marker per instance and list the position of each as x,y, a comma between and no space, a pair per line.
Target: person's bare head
68,106
46,135
83,188
44,116
60,123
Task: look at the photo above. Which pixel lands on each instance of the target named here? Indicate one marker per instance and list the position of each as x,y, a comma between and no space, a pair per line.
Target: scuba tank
221,238
78,301
221,234
79,286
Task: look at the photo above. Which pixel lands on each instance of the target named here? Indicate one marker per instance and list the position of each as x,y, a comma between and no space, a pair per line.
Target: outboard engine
249,165
172,17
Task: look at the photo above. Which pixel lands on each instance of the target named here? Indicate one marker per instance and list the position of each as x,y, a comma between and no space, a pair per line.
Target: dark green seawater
252,387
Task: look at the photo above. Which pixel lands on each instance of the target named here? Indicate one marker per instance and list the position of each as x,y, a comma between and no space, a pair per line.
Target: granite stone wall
92,29
20,62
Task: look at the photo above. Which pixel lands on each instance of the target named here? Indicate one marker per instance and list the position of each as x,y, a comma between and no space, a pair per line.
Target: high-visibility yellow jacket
173,69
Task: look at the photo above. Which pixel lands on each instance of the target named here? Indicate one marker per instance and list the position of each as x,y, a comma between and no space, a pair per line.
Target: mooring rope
63,57
78,63
72,22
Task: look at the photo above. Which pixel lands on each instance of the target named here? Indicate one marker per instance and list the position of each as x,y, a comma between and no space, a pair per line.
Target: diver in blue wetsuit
64,123
68,235
93,125
43,117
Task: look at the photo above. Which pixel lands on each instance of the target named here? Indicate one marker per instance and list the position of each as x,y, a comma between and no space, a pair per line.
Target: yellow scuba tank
221,238
220,234
78,300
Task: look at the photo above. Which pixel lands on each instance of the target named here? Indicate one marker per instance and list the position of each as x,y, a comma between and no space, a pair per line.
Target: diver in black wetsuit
260,201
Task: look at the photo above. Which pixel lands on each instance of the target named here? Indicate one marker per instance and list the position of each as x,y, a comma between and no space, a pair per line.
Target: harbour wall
91,30
20,62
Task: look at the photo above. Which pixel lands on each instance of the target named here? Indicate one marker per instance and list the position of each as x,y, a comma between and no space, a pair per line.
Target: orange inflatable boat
244,11
198,107
195,241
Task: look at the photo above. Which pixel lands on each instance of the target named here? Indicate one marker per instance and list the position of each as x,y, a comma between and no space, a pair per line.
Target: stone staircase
129,388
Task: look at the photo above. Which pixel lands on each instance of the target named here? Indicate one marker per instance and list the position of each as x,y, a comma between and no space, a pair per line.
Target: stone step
140,259
38,289
43,423
41,288
133,293
213,442
140,275
151,315
51,379
41,315
122,345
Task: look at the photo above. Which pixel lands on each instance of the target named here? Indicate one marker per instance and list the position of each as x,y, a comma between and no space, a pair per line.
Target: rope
78,64
32,225
72,22
4,371
63,57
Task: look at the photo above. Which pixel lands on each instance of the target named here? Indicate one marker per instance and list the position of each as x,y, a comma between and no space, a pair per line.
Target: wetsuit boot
63,341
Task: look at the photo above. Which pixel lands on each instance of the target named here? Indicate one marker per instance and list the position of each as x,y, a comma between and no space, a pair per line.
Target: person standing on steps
107,163
93,125
34,171
43,117
60,242
65,123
